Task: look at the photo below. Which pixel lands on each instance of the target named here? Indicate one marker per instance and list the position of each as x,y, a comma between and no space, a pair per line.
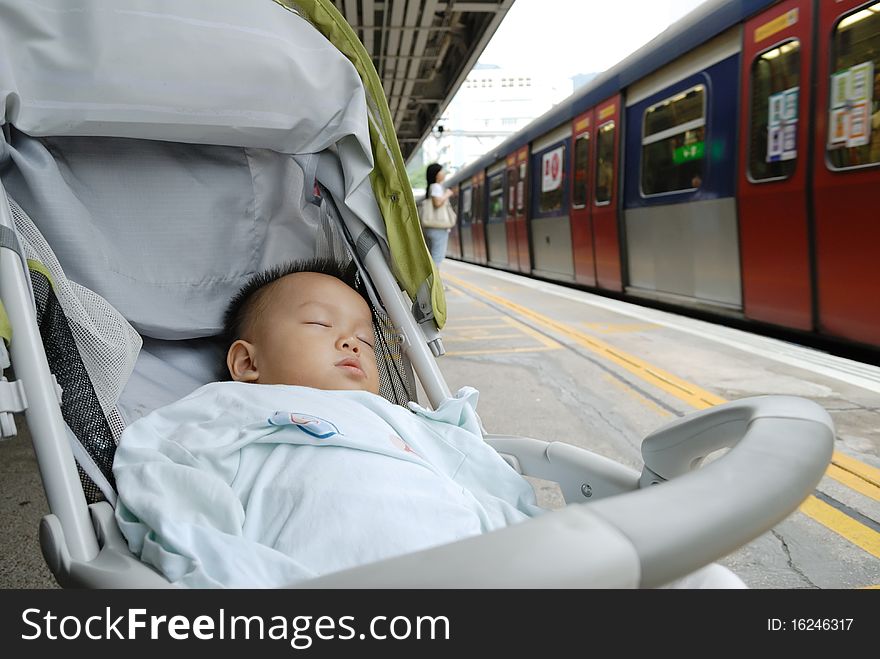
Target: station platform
555,363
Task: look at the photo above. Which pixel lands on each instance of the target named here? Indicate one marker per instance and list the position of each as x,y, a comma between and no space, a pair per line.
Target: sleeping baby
296,467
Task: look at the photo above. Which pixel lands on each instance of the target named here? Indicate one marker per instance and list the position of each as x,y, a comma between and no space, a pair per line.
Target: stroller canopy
252,75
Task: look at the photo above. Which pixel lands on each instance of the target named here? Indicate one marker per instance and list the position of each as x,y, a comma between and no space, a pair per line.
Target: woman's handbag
436,218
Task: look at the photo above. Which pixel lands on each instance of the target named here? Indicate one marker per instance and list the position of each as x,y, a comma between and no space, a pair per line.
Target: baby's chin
339,384
354,386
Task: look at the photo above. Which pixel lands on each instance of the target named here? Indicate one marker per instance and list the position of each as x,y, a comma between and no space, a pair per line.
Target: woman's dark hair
432,171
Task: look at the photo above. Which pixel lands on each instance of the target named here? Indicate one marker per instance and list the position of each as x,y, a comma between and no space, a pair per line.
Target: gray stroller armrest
780,448
114,566
582,475
569,548
680,446
649,537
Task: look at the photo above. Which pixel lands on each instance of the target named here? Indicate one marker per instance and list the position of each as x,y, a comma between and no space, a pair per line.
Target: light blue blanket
247,485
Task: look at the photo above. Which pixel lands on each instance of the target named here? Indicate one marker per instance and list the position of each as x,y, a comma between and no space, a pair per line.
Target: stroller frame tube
415,343
55,458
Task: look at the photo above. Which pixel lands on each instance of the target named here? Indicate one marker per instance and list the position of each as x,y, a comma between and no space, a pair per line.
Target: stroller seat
138,195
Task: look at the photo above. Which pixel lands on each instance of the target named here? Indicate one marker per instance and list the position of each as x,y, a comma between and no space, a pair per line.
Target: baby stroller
155,154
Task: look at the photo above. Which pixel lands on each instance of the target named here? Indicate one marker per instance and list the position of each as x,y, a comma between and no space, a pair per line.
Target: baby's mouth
351,365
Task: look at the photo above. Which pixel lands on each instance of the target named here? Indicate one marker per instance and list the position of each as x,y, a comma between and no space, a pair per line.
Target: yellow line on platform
673,385
455,353
462,328
479,337
853,481
868,474
637,395
842,524
857,475
525,329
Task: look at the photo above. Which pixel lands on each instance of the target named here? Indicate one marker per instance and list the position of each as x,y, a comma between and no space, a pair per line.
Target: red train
731,166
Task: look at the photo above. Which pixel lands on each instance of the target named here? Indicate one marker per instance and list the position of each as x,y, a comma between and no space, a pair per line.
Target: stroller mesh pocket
91,350
107,345
79,406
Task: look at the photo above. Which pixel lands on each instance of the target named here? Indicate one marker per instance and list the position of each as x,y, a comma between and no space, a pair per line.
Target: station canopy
423,51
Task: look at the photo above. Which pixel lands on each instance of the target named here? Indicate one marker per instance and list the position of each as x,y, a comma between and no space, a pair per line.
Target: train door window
496,198
854,111
467,207
604,163
775,83
511,191
673,143
552,180
521,189
581,173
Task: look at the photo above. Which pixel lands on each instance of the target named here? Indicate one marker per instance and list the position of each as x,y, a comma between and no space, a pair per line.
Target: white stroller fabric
95,68
167,233
248,485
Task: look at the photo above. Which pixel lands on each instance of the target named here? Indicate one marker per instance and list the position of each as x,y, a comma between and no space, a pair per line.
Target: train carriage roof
704,23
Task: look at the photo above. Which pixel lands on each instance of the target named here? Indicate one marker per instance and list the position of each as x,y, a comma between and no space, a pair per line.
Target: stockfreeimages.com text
300,631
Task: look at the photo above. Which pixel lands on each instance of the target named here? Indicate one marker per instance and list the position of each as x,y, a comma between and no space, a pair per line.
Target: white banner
551,168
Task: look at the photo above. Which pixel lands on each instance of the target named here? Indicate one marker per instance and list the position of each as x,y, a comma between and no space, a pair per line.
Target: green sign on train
690,152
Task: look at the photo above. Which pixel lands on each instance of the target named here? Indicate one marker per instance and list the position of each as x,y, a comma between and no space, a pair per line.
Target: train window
604,163
673,143
775,81
496,198
581,173
552,179
854,109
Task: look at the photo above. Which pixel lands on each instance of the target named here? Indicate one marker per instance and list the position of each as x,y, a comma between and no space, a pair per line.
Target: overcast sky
579,36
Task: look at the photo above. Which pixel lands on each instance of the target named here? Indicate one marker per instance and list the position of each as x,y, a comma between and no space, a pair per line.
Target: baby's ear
241,363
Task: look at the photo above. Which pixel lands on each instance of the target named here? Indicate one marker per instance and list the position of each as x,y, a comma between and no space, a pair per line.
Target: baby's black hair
247,302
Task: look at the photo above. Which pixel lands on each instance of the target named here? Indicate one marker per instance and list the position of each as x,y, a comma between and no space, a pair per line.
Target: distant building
493,103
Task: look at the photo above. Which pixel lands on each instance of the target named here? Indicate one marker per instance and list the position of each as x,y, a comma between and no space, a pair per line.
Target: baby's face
312,330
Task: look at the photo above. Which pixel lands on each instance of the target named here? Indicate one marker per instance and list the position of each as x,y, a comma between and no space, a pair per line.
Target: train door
847,169
465,221
549,222
478,235
511,174
605,167
773,178
581,202
521,224
496,215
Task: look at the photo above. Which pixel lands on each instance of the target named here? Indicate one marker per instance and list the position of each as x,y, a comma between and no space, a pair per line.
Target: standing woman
439,197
